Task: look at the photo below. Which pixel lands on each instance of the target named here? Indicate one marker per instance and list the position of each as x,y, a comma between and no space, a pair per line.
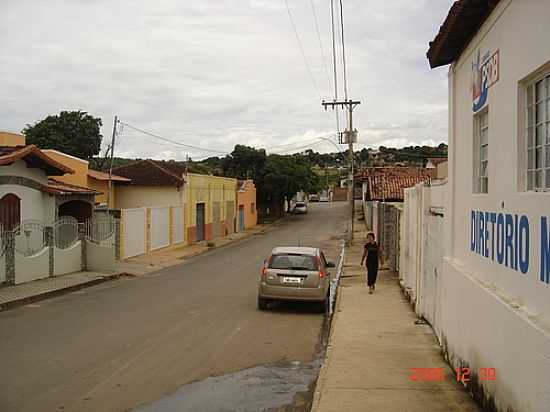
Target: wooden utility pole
350,136
111,163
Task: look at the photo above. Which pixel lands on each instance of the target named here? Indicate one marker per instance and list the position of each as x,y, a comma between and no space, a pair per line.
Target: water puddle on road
279,387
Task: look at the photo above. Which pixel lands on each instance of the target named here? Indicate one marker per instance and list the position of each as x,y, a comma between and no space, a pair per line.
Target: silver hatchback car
295,273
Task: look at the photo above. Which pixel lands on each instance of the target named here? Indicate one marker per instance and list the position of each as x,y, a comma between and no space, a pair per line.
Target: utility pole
111,163
350,136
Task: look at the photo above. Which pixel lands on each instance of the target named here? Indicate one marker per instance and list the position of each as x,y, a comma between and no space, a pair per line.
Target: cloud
220,72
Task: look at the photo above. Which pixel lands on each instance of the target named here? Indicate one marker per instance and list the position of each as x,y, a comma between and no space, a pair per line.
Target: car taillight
264,267
322,273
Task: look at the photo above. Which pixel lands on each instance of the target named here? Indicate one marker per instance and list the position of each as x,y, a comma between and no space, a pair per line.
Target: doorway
200,221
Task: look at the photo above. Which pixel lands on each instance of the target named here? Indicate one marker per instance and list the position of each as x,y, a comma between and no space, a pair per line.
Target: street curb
57,292
328,352
185,259
268,227
321,378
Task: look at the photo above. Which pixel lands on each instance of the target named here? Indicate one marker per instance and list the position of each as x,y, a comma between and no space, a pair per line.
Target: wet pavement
262,388
286,386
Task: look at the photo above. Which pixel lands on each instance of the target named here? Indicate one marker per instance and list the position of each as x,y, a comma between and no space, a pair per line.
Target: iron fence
65,232
30,237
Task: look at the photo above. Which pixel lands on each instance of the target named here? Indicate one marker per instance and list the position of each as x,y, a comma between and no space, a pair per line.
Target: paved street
120,344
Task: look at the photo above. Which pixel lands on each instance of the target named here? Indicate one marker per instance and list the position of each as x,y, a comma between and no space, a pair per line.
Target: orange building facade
247,214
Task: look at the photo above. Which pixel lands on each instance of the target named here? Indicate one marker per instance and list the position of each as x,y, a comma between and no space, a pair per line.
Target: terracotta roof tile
388,183
150,173
61,188
462,23
34,157
391,188
97,175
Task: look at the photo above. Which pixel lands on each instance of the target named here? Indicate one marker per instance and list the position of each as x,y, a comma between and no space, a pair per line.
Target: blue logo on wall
485,73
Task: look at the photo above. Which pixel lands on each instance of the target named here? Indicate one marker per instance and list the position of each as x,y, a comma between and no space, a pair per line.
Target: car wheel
262,303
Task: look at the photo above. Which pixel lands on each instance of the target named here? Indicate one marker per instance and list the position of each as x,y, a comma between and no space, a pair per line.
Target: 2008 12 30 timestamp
461,374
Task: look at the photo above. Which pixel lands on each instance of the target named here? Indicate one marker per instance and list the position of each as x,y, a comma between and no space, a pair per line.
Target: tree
284,176
244,162
76,133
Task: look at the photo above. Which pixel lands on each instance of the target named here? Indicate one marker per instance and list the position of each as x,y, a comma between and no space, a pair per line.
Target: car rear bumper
291,293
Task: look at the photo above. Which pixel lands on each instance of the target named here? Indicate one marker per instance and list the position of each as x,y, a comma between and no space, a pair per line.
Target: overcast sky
214,73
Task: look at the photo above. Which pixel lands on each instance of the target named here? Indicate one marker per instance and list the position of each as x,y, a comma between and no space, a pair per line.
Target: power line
322,139
334,67
302,50
343,51
302,142
156,136
316,20
307,146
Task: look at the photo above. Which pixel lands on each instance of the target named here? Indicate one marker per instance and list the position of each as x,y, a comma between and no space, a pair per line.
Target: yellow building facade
210,205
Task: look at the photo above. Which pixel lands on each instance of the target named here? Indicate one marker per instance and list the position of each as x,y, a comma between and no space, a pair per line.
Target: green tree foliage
244,162
276,176
76,133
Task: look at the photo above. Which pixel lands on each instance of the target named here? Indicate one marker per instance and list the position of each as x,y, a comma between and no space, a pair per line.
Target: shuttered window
10,211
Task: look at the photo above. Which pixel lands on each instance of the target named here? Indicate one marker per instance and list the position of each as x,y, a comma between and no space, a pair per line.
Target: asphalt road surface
132,341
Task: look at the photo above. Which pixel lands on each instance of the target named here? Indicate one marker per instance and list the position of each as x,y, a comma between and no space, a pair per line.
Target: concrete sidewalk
11,296
373,346
153,261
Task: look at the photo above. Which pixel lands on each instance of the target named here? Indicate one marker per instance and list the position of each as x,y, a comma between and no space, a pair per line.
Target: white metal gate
134,232
178,226
160,227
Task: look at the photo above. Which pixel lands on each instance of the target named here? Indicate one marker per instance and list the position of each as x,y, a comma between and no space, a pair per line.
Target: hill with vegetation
280,176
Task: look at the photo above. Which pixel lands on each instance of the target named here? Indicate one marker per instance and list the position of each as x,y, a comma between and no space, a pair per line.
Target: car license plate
287,279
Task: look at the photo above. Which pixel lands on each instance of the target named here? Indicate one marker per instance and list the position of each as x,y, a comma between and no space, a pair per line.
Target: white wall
422,249
28,268
35,204
523,22
492,315
19,168
160,227
100,258
67,260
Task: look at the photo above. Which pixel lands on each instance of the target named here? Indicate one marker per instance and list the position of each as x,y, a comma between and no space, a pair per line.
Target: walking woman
371,256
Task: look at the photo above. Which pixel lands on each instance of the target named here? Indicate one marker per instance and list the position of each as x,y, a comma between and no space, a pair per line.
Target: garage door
134,232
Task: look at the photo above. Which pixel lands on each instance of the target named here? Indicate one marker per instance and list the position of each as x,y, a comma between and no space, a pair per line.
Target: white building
491,291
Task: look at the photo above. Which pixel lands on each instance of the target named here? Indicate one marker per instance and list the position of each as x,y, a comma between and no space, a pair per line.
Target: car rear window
300,204
293,261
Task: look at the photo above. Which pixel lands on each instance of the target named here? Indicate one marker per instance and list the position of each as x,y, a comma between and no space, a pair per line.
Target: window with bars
538,134
481,152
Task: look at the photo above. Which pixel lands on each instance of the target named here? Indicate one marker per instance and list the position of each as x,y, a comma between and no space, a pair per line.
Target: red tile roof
33,157
61,188
388,183
405,171
462,23
152,173
391,189
97,175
